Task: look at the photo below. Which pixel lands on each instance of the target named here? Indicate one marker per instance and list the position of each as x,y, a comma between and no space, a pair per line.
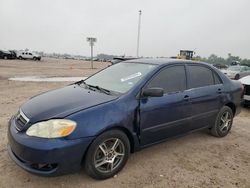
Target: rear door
169,115
206,94
30,56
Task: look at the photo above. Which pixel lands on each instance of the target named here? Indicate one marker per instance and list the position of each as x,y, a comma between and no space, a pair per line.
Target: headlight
54,128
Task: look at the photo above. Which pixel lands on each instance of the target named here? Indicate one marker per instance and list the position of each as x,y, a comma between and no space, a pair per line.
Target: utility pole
91,41
138,36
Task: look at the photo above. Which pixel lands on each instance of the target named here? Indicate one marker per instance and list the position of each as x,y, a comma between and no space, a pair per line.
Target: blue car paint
66,153
59,103
97,112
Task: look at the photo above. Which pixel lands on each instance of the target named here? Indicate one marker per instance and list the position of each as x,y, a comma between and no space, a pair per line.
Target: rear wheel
223,122
107,155
237,77
246,104
5,57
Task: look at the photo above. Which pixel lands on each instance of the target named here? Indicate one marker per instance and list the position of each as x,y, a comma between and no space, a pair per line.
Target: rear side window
171,79
217,80
200,76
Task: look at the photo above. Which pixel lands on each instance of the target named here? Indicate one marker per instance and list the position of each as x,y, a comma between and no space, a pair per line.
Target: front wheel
223,123
107,155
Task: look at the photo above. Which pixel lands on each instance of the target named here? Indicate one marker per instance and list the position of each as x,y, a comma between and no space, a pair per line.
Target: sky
206,26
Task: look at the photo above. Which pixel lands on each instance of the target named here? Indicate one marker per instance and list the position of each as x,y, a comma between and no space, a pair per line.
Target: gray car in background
236,72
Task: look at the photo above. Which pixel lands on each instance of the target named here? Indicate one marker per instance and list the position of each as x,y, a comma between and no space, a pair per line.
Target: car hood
62,102
245,80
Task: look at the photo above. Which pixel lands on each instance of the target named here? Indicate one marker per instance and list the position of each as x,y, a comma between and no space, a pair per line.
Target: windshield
234,68
120,77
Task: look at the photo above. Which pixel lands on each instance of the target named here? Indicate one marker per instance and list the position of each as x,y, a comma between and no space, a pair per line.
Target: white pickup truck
28,55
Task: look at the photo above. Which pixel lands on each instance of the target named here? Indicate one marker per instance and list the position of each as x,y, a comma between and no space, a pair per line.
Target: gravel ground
196,160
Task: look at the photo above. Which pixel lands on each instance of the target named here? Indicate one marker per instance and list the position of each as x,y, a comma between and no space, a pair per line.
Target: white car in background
236,72
246,83
28,55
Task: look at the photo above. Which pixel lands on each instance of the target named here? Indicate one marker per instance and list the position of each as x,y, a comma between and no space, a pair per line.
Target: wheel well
128,134
124,130
232,106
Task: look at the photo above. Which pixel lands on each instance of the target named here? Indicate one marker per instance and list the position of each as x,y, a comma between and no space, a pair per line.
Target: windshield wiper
80,82
106,91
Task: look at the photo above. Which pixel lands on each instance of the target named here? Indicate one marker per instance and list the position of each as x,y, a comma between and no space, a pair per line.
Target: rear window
217,79
200,76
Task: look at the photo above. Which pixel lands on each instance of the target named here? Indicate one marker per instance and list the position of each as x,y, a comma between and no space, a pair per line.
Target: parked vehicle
13,54
120,110
236,72
29,55
246,83
220,66
7,54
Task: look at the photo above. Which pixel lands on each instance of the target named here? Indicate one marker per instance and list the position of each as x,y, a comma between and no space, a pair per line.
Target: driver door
169,115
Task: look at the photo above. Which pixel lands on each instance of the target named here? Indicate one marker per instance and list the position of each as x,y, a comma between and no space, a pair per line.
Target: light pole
91,41
138,36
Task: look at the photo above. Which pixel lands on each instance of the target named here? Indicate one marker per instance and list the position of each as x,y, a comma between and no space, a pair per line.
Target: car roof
160,61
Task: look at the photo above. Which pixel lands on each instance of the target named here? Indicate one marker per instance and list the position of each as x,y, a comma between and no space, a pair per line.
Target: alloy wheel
109,155
225,122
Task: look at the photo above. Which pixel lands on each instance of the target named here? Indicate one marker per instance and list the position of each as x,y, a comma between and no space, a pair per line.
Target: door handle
186,98
219,91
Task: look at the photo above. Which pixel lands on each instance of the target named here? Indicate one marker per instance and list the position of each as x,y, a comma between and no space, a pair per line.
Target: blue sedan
98,122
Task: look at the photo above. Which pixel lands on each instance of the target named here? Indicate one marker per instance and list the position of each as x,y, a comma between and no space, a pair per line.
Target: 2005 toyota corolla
121,109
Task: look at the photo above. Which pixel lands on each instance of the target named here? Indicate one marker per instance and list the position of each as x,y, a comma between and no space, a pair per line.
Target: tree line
214,59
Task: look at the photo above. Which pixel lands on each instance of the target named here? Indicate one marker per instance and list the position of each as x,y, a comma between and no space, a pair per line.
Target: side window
30,53
200,76
217,80
171,79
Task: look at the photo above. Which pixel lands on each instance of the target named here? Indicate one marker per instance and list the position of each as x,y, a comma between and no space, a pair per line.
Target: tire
5,57
20,57
246,104
223,123
99,165
34,58
237,77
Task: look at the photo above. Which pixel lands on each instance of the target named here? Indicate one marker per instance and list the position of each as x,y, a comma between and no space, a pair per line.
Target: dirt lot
196,160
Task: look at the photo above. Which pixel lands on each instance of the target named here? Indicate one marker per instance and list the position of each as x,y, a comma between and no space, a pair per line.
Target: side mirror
153,92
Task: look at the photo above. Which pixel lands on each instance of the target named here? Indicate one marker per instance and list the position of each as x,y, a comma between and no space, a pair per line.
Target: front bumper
246,100
46,157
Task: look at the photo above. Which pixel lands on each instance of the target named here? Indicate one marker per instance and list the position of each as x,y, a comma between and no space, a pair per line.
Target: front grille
247,89
21,121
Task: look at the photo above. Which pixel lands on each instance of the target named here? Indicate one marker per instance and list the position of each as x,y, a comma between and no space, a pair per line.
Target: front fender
95,120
